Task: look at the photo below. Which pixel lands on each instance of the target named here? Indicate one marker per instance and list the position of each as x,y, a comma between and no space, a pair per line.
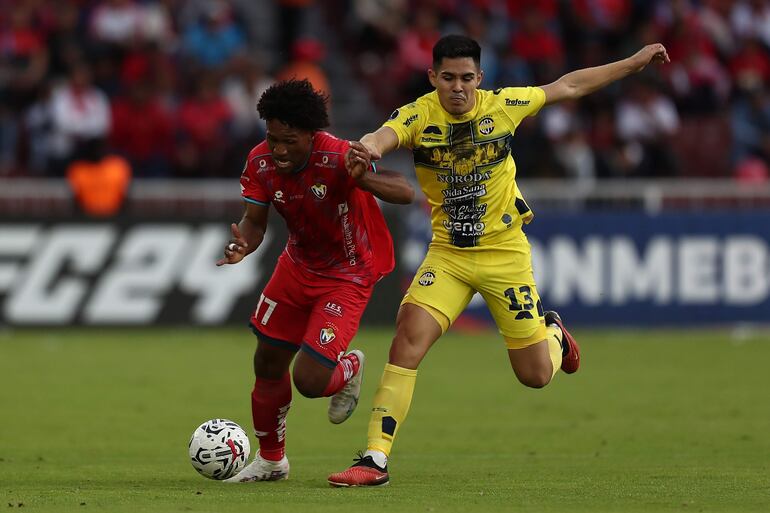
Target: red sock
346,368
270,402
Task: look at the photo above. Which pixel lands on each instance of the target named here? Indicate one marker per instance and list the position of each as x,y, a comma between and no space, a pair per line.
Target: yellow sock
391,404
554,336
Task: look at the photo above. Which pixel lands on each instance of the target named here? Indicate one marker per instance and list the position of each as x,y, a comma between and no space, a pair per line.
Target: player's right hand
651,54
235,249
357,159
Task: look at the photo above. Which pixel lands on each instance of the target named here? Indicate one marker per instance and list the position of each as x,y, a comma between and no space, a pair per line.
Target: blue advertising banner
636,269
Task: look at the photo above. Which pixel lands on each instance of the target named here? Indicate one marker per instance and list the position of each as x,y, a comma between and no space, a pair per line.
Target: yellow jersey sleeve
408,122
519,102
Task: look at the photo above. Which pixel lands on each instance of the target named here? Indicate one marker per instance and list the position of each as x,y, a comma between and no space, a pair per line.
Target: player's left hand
650,54
357,159
235,249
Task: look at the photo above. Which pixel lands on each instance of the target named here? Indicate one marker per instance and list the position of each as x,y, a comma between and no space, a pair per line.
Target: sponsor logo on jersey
469,178
278,197
467,228
333,309
427,278
507,219
411,119
486,125
347,234
319,190
432,129
327,335
328,161
394,115
464,193
465,212
430,139
515,102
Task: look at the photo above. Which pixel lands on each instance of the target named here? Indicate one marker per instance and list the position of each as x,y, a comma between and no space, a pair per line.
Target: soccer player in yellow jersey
460,136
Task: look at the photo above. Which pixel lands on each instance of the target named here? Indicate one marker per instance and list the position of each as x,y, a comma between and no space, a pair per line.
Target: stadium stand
199,64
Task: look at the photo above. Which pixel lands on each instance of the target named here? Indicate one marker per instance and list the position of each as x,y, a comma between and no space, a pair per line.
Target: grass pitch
98,420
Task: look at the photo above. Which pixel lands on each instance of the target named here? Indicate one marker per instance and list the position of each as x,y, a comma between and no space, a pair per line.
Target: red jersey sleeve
252,188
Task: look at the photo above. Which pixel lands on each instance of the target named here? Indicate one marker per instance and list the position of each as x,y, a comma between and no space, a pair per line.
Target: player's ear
432,77
480,77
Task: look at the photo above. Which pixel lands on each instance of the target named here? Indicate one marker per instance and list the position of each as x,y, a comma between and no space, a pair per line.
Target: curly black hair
295,103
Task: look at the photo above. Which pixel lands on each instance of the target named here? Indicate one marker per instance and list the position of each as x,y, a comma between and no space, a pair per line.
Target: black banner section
135,272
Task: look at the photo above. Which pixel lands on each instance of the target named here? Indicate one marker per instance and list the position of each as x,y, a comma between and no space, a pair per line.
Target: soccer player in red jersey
339,246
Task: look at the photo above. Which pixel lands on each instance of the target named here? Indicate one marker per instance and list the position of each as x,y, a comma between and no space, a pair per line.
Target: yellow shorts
448,278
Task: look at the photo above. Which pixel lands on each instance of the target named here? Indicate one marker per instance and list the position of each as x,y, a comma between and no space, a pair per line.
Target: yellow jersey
464,165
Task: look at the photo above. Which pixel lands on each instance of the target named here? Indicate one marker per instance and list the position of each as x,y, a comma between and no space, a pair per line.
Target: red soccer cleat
364,472
570,362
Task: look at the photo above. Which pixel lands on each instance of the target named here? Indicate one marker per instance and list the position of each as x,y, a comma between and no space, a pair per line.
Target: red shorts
301,309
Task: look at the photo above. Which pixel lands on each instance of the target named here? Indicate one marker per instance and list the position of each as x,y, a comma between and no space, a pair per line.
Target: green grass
96,420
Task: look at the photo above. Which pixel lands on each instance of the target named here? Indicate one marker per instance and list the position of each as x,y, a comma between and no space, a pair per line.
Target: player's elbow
405,195
562,90
572,91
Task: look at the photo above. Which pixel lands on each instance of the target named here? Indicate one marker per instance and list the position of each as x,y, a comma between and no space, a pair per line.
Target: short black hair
295,103
455,46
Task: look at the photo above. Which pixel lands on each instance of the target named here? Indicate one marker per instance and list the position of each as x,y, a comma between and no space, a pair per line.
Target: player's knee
267,367
405,351
308,385
535,377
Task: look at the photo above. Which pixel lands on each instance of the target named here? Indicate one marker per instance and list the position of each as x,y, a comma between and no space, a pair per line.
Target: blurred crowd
705,114
171,85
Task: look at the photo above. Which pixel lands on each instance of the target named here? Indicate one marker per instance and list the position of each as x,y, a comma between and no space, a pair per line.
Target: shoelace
360,460
365,461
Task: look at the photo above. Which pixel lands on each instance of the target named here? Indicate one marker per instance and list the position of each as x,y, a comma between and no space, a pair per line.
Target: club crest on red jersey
319,190
326,335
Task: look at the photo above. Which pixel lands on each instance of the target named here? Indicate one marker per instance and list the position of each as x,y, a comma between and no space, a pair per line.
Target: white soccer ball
219,449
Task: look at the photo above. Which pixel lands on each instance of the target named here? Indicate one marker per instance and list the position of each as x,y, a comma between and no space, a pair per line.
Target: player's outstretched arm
380,142
247,234
585,81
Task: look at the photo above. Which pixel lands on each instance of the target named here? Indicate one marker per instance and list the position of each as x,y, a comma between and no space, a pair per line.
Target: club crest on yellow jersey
486,125
427,278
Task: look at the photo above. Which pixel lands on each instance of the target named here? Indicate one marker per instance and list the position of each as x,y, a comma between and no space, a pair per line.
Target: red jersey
335,229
